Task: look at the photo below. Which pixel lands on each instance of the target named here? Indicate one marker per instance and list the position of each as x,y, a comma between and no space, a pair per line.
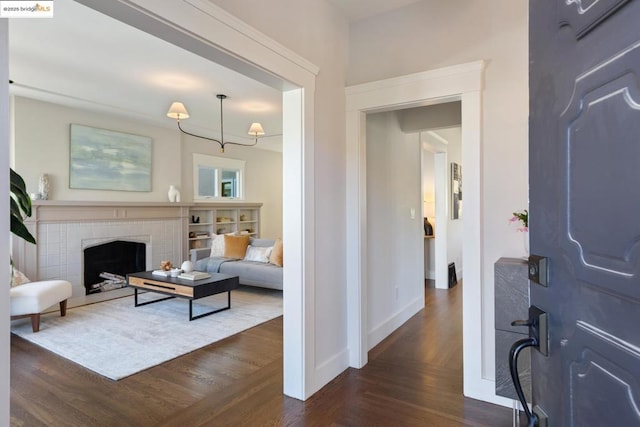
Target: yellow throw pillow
235,246
276,253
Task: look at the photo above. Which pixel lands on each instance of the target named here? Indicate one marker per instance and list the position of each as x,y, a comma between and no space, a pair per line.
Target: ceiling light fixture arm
198,136
178,110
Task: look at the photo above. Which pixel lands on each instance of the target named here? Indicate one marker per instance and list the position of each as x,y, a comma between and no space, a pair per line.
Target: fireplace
106,265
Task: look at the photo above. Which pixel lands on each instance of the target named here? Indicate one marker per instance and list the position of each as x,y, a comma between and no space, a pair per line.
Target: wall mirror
217,178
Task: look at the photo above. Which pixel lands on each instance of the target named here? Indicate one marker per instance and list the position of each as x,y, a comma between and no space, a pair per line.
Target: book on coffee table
161,273
194,275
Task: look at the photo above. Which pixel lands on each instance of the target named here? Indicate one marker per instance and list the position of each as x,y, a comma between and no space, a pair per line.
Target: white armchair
31,299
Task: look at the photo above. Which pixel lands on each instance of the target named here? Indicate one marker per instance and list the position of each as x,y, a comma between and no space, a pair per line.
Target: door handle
538,339
521,323
538,328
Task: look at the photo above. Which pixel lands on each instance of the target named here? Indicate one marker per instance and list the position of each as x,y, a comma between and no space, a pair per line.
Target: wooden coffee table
182,288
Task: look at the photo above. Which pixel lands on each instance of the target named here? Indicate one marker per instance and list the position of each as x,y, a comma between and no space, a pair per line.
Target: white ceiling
354,10
84,59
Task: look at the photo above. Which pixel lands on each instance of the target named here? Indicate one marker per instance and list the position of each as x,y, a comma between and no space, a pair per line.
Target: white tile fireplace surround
64,230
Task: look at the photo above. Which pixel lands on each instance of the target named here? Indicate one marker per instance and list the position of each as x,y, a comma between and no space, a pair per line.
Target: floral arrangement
523,217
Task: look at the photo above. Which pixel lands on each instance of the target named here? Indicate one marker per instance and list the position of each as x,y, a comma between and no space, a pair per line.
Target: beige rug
116,339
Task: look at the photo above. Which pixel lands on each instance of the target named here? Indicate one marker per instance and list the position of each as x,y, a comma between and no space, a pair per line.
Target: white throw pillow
18,278
258,254
217,245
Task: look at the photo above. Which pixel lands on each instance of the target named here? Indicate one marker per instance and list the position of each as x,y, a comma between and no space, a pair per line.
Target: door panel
595,369
600,130
585,207
584,15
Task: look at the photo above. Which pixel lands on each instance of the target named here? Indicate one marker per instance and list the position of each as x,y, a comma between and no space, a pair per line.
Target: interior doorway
464,83
206,32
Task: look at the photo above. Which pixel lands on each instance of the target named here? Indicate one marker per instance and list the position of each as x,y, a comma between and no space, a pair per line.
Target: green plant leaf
19,207
19,192
19,229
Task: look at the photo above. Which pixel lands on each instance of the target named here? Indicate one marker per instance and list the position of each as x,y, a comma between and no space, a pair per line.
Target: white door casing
462,82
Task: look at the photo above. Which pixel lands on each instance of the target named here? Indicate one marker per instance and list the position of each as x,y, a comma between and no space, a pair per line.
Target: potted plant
523,218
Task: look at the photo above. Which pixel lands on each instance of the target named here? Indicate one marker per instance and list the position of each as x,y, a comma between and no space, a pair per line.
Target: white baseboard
328,370
380,332
485,390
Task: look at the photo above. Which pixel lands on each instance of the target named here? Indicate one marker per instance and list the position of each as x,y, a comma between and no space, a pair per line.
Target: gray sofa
249,272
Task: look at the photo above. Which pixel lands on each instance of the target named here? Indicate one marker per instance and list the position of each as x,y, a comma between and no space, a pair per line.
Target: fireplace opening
106,265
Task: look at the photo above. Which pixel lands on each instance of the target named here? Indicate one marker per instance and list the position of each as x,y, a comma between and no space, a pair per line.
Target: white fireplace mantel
63,229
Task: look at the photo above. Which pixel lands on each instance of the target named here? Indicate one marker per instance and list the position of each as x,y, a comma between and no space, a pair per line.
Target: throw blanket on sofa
212,264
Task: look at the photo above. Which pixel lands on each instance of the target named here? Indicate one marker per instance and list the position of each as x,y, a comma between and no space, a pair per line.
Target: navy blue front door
584,205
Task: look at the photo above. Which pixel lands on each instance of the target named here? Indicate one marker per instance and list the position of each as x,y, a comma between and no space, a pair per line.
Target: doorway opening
464,83
199,30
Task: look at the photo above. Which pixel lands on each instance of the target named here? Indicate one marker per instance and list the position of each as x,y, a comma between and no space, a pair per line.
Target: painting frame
456,190
103,159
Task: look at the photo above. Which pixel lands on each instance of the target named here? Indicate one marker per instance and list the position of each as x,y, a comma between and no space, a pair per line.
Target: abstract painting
456,191
101,159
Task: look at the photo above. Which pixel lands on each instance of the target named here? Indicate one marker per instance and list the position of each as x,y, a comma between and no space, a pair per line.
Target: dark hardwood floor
414,377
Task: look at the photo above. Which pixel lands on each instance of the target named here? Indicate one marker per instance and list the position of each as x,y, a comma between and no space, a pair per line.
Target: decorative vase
44,187
525,241
174,194
187,266
428,228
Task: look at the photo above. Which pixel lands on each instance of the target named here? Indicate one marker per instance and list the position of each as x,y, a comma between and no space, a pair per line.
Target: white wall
430,34
431,117
429,210
395,243
315,30
5,339
45,149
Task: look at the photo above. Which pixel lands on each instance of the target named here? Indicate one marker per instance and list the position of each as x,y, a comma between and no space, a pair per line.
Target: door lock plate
539,329
539,270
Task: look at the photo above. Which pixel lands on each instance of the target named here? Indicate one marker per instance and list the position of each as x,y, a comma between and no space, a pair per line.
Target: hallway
414,378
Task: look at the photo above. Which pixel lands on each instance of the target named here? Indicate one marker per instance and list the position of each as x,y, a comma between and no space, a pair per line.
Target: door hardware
538,339
539,270
543,418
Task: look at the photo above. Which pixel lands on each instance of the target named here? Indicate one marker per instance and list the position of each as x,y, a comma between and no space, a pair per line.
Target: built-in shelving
221,218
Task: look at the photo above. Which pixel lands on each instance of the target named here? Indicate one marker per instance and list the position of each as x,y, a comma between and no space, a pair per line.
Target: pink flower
523,229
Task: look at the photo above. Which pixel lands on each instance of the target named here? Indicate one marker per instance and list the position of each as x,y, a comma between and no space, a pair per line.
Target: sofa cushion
217,245
254,273
276,257
258,254
235,246
262,243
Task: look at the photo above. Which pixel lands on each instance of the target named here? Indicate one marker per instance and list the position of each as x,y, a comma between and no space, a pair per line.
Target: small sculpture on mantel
44,187
174,194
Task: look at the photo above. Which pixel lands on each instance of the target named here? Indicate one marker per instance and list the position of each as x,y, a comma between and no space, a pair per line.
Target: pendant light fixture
178,111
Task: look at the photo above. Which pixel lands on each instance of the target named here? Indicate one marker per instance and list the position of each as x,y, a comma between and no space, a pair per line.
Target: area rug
116,339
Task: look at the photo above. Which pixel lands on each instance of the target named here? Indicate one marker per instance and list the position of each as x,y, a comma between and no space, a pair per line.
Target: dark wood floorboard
414,378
